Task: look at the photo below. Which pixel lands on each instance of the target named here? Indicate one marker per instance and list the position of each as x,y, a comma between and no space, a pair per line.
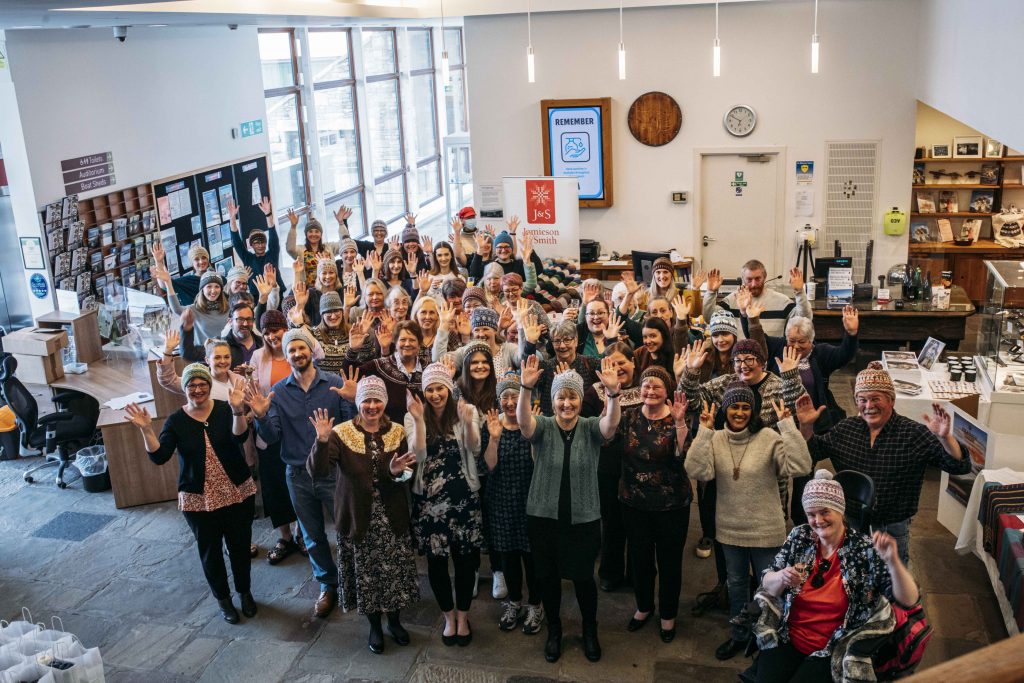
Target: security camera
233,27
121,33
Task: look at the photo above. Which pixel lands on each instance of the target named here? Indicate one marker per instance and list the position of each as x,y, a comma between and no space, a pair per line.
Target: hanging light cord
529,26
716,19
620,22
815,17
444,44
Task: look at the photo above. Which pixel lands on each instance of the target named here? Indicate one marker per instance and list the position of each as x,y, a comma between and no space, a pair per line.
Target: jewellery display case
1000,354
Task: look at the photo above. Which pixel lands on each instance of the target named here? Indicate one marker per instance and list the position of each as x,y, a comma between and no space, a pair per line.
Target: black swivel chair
859,491
59,435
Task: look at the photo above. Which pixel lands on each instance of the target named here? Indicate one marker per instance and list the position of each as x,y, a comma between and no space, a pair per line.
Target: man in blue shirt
283,415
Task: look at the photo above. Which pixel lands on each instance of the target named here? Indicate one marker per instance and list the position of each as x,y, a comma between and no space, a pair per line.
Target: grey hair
564,330
802,326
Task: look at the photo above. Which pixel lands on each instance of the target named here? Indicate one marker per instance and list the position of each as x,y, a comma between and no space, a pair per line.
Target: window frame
461,66
403,169
432,72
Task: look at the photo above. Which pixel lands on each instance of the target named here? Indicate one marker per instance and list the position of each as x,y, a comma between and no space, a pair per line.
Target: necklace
735,464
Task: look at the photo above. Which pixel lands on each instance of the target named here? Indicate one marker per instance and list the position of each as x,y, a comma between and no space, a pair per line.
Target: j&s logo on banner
540,202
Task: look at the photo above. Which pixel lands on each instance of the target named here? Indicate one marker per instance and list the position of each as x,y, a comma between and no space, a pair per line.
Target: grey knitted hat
195,371
570,380
330,301
298,334
722,321
210,277
509,382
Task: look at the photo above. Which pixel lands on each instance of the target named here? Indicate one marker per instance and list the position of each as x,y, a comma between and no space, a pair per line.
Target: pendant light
446,74
530,73
622,48
716,69
814,41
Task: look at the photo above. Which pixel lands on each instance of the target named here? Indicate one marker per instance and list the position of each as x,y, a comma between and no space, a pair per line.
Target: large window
285,129
334,96
455,93
422,77
384,111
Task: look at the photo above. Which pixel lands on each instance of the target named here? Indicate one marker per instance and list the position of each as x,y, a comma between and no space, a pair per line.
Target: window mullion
362,115
312,141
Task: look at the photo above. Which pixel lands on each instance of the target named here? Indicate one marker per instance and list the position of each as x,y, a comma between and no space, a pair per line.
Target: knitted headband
410,234
195,371
722,321
197,250
371,387
874,380
511,279
210,277
509,382
483,317
312,224
824,492
330,301
570,380
750,347
298,334
503,238
437,373
474,294
257,235
737,392
659,373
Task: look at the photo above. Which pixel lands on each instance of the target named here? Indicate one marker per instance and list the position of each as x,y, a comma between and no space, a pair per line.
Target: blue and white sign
37,283
574,138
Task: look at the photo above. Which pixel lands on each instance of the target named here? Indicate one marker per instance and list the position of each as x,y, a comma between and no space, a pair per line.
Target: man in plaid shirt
891,449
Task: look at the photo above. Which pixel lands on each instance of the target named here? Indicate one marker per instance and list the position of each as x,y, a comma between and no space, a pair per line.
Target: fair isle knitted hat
824,492
210,277
474,294
570,380
748,346
509,382
723,321
437,373
410,234
325,264
737,392
874,380
483,317
348,243
378,225
371,387
195,371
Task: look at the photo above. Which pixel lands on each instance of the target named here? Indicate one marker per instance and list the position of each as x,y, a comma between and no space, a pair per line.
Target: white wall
163,102
864,91
971,54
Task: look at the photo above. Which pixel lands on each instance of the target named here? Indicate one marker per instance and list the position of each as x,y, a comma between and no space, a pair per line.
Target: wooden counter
967,263
603,271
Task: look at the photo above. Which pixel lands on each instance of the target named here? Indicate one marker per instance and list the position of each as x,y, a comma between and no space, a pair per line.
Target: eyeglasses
197,386
562,342
746,361
818,580
248,321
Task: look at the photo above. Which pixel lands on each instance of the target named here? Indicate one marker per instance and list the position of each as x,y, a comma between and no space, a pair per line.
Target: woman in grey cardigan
563,508
746,460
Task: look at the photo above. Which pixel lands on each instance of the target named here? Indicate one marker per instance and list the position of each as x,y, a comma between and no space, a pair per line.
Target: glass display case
1000,355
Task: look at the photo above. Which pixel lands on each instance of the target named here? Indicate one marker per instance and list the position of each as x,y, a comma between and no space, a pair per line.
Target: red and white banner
549,211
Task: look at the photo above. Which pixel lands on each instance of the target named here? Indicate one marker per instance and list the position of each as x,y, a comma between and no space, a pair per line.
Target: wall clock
740,120
654,119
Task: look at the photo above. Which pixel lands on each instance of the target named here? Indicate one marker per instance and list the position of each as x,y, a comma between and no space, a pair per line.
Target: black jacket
185,435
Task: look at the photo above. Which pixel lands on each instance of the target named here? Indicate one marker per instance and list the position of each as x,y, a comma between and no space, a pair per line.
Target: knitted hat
824,492
273,320
493,269
660,373
874,380
570,380
257,235
298,334
509,382
723,321
511,279
437,373
663,263
748,346
737,392
371,387
410,234
330,301
348,243
195,371
474,294
238,273
476,345
392,254
378,224
325,264
312,224
503,238
197,250
210,277
483,317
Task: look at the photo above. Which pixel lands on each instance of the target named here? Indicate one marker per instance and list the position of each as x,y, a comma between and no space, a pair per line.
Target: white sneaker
499,591
534,619
476,584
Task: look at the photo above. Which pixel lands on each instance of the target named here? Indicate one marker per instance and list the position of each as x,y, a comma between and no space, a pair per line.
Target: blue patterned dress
508,486
446,516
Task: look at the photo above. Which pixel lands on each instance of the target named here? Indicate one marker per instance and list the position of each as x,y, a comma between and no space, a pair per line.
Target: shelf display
1000,358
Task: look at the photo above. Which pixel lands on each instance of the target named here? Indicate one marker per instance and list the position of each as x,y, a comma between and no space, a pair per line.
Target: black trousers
465,577
707,499
796,507
586,597
656,541
784,664
229,526
515,562
613,533
276,501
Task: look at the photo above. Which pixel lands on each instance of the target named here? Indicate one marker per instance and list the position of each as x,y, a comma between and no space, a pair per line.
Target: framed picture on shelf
948,202
993,149
940,151
967,146
925,202
982,201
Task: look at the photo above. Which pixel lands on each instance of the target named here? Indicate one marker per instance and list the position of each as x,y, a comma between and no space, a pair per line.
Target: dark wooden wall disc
654,119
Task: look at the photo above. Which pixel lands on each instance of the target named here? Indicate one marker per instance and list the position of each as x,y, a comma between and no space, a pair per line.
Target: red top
816,613
279,369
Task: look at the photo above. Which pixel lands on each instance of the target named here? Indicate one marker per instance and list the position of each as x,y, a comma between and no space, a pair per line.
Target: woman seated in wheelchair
829,588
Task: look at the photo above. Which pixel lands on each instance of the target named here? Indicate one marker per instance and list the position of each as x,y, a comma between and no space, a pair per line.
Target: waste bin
9,435
92,463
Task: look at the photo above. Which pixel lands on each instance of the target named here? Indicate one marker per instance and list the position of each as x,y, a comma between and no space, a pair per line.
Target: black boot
248,605
591,646
228,611
553,646
376,639
397,631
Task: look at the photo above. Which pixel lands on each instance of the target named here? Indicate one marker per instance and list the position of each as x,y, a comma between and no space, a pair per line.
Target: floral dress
446,516
508,486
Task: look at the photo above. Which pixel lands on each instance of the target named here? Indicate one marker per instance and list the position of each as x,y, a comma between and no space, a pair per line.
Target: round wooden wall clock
654,119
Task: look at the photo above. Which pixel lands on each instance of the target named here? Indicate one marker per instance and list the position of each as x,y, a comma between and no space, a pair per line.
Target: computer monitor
642,262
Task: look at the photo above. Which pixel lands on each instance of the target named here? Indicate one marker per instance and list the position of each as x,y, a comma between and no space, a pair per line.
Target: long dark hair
384,275
435,269
484,394
439,428
666,353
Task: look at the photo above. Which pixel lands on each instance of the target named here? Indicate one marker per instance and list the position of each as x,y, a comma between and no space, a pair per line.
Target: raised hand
615,324
681,307
385,331
530,372
348,389
296,316
679,364
505,318
423,281
526,248
187,319
395,243
531,328
400,463
591,290
494,424
414,405
462,325
342,214
562,367
790,359
781,411
270,272
138,416
714,280
806,413
233,214
609,376
707,415
427,244
482,240
886,547
301,293
698,279
629,279
236,396
743,298
323,423
447,312
465,411
157,250
796,279
265,207
159,272
571,314
851,320
350,296
449,363
456,227
754,309
696,354
521,311
410,218
358,332
489,229
938,422
293,218
254,398
678,408
299,269
512,224
172,338
373,262
264,287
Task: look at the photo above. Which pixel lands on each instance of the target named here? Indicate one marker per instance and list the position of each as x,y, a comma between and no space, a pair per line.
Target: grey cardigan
548,448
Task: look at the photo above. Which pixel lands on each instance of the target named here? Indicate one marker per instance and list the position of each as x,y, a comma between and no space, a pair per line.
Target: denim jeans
739,561
309,498
901,532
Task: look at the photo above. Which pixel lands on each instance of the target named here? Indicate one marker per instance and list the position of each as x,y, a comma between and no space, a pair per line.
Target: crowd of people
419,392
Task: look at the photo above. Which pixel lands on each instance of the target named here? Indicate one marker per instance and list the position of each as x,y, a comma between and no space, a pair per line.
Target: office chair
59,435
859,490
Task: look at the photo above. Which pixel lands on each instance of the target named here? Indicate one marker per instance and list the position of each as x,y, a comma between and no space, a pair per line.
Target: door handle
708,239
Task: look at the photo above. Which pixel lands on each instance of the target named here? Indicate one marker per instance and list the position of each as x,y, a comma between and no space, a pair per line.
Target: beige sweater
748,513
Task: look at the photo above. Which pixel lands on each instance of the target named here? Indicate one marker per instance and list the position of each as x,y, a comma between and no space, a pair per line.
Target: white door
739,207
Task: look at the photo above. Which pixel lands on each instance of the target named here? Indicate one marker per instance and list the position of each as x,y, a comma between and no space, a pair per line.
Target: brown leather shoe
325,603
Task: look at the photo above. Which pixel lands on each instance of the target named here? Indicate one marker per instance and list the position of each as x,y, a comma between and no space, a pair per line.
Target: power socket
680,197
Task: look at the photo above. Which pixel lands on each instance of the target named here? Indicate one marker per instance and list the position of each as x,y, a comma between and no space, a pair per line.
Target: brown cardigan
345,455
